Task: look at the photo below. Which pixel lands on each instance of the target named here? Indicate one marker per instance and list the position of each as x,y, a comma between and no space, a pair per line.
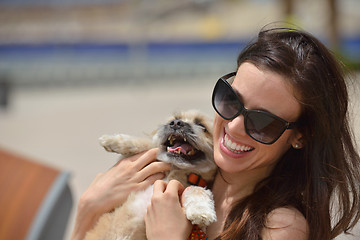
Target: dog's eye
202,126
198,122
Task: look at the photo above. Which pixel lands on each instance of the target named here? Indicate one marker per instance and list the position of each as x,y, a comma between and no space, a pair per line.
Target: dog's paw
199,206
114,143
124,144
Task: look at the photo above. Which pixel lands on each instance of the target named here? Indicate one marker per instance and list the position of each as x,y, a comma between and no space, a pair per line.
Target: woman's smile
234,148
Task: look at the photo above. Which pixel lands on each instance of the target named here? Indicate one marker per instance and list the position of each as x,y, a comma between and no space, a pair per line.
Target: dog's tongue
183,147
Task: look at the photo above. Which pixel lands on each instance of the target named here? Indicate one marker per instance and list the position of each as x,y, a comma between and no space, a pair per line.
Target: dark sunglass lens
225,101
263,127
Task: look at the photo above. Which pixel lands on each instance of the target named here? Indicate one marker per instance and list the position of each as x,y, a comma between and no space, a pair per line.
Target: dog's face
186,141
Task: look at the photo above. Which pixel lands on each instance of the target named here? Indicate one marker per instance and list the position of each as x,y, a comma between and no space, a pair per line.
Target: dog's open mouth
177,145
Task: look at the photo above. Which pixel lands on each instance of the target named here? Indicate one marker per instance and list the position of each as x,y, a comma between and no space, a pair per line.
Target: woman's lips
233,148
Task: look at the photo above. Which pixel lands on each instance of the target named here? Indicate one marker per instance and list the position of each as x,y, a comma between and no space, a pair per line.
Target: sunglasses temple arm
292,125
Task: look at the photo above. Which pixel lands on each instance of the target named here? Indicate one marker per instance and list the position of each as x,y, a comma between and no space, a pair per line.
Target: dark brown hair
326,170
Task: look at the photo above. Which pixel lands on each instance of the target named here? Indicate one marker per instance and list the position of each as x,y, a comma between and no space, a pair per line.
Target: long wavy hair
321,180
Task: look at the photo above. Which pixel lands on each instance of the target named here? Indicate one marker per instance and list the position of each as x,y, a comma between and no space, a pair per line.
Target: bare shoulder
285,223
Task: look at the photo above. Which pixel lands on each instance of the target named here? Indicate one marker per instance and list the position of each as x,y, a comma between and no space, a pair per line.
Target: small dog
186,143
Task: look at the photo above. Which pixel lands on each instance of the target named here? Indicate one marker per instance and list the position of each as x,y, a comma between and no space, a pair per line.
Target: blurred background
72,70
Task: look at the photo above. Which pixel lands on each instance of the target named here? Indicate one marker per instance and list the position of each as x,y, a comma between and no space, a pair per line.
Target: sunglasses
261,126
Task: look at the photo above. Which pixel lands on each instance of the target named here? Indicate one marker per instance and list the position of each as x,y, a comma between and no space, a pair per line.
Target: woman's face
259,90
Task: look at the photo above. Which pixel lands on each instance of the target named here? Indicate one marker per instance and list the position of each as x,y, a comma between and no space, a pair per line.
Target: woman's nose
237,126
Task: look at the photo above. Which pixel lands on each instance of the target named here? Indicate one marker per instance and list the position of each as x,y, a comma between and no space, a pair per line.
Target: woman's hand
165,218
111,189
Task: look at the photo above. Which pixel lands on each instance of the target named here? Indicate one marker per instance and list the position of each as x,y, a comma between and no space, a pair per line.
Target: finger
141,158
153,168
117,163
175,186
159,187
131,159
145,158
152,178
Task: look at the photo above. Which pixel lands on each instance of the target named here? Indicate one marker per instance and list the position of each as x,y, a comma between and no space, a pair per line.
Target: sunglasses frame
245,112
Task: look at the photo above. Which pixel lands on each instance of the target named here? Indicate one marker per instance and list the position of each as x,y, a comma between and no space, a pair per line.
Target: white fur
199,206
142,200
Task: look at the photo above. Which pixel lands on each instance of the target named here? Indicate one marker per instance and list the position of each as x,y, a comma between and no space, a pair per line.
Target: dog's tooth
192,152
171,139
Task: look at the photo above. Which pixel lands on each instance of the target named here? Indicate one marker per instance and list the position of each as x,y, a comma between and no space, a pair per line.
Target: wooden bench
35,200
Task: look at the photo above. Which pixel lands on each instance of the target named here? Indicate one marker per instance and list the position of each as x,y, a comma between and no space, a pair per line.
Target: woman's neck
231,187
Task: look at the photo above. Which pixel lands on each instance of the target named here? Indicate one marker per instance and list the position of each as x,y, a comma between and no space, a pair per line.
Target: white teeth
192,152
234,147
177,151
171,139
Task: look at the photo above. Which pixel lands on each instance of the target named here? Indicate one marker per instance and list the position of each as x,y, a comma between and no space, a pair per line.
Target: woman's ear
297,141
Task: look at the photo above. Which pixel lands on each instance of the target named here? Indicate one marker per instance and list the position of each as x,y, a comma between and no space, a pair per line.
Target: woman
282,144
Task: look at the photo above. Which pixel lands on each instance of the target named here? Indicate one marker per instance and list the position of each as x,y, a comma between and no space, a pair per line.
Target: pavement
61,127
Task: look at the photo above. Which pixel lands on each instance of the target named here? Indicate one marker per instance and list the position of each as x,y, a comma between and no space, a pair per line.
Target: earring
297,146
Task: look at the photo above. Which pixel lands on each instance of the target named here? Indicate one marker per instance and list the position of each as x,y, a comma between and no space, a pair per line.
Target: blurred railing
99,64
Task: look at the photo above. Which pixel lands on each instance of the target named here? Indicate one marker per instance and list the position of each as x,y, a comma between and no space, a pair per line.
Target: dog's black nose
176,124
